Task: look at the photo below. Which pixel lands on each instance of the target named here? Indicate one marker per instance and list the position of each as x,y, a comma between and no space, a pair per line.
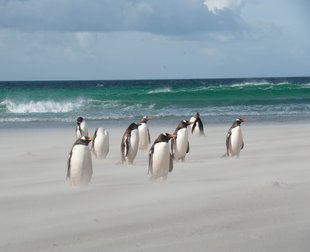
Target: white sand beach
258,202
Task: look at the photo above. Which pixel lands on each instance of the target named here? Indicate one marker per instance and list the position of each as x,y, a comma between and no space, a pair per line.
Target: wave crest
48,106
160,90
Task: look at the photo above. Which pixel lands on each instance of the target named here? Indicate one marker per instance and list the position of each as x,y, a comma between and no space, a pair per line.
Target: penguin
197,126
160,157
144,133
81,127
180,145
130,144
79,164
234,140
100,144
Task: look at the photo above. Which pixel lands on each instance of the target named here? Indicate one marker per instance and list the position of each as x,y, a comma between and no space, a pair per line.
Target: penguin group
79,165
166,148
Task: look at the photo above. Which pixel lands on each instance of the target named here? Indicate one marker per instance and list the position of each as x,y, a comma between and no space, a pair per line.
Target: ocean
51,103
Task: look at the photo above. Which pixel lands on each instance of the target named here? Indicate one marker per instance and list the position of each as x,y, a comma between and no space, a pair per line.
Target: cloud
173,17
218,5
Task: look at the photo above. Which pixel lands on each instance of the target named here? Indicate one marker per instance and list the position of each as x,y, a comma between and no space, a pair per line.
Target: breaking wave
160,90
48,106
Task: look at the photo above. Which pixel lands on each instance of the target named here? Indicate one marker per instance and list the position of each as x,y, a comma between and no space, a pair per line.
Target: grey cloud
155,16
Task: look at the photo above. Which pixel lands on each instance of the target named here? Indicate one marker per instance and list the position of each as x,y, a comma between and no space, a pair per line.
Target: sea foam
160,90
48,106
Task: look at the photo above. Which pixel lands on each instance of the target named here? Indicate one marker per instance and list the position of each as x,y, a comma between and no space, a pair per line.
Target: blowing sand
259,202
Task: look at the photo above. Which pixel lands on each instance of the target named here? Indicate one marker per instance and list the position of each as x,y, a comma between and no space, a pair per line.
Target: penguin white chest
181,143
133,146
134,139
196,130
80,165
161,159
143,136
236,140
100,145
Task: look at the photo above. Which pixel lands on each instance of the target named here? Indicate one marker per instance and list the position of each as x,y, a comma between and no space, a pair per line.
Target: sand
258,202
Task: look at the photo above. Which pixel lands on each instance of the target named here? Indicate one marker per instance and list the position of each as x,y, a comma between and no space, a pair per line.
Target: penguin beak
91,138
189,123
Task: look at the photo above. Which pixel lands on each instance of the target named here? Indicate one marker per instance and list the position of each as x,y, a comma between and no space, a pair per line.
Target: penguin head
185,123
238,121
79,120
165,137
145,119
197,115
170,135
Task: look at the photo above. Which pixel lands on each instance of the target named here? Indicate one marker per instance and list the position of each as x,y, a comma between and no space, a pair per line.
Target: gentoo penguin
100,144
197,126
180,145
160,157
144,133
234,141
81,127
130,144
80,168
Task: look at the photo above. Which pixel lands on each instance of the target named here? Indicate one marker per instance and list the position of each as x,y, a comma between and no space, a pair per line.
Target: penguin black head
169,136
145,119
182,124
185,123
165,137
79,120
238,121
197,115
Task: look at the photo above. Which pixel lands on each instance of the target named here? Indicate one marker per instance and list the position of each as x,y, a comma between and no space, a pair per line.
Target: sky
153,39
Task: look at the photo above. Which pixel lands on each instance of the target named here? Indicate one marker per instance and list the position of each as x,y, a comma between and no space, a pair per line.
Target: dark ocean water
42,103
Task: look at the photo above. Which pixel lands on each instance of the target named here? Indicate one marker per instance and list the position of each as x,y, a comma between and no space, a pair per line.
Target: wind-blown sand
259,202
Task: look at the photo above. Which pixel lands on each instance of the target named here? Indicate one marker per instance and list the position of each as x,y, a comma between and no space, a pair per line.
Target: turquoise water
217,100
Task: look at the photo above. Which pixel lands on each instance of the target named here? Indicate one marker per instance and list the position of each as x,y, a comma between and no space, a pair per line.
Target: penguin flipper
172,148
150,170
171,163
92,148
123,151
69,165
242,145
127,145
94,136
187,147
149,136
228,141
